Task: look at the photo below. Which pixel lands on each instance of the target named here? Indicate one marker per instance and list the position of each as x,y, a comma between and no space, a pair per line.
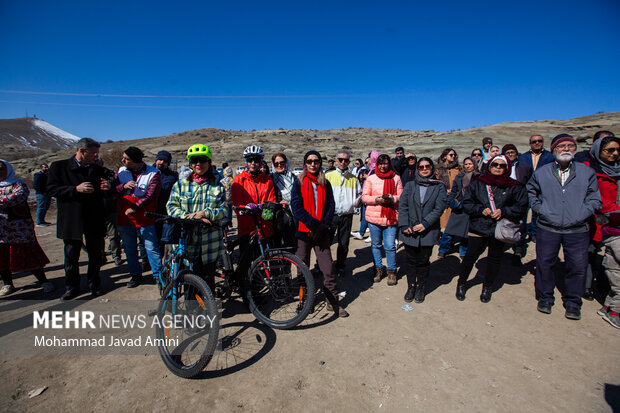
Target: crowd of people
482,204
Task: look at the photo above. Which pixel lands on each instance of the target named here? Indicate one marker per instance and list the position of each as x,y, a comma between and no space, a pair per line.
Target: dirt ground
444,355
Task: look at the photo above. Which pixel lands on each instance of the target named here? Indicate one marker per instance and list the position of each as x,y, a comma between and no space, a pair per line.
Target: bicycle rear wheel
186,346
280,290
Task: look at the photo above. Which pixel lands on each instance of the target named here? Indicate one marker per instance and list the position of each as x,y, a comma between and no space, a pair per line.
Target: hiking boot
391,277
485,297
134,282
460,292
573,313
544,307
378,275
410,293
6,290
612,318
357,235
588,294
419,293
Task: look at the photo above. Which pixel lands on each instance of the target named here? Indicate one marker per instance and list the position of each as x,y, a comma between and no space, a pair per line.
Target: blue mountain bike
187,325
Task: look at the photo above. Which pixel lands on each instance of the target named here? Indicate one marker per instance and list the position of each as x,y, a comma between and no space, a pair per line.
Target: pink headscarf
373,159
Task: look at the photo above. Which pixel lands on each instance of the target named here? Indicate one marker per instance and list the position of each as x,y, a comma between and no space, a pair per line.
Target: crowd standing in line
482,203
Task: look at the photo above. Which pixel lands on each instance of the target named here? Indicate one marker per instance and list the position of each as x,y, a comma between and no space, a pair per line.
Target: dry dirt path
444,355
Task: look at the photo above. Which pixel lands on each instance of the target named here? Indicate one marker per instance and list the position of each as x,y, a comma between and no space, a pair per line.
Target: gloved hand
321,232
253,207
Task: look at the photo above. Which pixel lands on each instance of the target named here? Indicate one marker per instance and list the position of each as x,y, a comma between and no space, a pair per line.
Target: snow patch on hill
53,130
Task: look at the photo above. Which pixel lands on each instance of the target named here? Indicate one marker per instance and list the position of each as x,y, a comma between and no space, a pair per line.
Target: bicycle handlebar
258,211
175,220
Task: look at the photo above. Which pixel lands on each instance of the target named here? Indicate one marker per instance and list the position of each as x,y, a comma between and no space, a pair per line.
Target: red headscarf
501,181
307,193
389,187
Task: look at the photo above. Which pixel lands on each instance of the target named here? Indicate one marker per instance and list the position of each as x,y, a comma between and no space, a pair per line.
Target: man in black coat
522,172
79,186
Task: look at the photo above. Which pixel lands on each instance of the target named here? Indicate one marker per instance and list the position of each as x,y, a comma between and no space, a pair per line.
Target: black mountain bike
279,287
187,317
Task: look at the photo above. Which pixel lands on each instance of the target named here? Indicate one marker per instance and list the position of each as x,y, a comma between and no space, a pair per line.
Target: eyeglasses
612,150
313,161
253,159
510,152
451,155
476,154
198,159
279,164
344,160
537,141
566,146
499,165
423,167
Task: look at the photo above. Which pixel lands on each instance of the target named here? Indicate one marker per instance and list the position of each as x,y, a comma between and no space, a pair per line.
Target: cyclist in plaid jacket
201,196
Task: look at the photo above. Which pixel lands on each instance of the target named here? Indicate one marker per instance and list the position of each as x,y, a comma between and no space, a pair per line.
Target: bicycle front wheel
280,290
188,326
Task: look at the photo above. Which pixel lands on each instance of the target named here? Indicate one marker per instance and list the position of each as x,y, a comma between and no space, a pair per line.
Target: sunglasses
279,164
199,159
451,155
612,150
476,154
253,160
313,161
344,160
537,141
423,167
499,165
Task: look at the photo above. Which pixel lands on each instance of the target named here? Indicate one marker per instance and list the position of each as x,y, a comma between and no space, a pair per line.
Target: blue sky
294,64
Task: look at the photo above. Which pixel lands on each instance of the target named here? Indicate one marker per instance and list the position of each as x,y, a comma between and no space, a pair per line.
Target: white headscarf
10,175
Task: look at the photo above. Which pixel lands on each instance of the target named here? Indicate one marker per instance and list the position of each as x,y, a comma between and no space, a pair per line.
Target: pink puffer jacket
373,187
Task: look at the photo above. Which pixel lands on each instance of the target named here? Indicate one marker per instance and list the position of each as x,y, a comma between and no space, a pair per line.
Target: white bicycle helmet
253,151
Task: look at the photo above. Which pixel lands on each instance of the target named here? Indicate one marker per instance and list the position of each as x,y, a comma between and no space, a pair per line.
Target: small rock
36,392
321,362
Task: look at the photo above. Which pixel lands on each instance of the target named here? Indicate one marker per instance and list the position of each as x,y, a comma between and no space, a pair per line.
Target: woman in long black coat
421,204
490,197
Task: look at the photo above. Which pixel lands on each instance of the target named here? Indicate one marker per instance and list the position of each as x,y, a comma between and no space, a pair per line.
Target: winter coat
458,223
300,213
373,188
78,213
512,201
412,211
564,209
347,191
545,158
522,171
249,190
39,183
168,179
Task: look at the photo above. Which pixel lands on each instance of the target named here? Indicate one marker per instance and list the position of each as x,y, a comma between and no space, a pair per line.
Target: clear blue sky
305,64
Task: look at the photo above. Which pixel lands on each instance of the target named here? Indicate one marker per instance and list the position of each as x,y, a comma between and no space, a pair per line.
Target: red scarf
199,179
389,187
307,193
501,181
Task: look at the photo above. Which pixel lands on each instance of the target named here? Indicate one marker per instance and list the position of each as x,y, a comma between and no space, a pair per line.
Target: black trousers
206,272
475,247
94,245
418,264
342,225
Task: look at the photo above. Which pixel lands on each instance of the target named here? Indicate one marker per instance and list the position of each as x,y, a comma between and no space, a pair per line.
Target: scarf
389,188
373,160
613,171
10,175
199,179
422,181
467,177
502,181
443,170
307,194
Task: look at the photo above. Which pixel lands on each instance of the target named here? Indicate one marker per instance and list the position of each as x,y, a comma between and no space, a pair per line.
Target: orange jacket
249,190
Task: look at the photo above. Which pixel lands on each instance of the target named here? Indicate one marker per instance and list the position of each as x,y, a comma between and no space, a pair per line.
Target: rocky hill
228,145
26,137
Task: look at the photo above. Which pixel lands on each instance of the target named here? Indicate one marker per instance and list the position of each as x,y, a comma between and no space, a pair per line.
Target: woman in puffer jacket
381,194
489,198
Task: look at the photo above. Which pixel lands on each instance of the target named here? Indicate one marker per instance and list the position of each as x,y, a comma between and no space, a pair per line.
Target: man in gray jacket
565,195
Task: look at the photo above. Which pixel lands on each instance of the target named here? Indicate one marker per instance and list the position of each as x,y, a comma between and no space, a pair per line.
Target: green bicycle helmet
199,150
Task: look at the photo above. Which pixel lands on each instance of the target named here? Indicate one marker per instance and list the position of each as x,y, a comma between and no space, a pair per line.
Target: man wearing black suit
79,186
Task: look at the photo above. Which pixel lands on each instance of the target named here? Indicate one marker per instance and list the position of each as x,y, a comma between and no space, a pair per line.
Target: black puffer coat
512,201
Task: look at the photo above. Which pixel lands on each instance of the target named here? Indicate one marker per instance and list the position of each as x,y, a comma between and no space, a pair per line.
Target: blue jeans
43,204
129,236
383,236
446,242
363,222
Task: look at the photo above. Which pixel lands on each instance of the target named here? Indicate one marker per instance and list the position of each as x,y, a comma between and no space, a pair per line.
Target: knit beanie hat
313,152
164,156
508,147
563,137
134,154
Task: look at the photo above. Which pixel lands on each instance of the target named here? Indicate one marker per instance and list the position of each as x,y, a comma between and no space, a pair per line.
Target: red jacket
248,190
608,188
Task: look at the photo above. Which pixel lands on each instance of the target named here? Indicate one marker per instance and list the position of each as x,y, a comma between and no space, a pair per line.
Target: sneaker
588,294
6,290
544,307
612,318
368,240
48,287
602,311
357,235
70,294
118,261
573,313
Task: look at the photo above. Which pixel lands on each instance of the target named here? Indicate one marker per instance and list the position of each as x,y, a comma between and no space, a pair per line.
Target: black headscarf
420,180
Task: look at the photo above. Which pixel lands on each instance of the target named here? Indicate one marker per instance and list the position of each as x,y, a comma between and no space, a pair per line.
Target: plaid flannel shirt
189,197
